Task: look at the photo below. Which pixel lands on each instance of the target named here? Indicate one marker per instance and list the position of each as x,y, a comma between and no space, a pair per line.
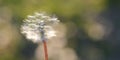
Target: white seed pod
35,25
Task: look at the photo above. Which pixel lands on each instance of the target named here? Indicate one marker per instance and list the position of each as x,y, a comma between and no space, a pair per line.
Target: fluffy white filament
33,25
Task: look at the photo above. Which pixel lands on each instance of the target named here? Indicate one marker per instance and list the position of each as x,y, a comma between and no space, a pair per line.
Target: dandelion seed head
37,23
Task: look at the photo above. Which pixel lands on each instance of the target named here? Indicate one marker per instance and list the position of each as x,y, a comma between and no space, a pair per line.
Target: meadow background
91,29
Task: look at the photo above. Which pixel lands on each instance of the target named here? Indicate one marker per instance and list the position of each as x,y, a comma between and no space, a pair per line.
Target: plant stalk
45,50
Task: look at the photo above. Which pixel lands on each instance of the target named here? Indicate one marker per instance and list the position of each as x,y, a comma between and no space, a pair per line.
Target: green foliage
73,13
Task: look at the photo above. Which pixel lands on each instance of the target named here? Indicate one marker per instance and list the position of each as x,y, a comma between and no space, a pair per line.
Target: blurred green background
92,27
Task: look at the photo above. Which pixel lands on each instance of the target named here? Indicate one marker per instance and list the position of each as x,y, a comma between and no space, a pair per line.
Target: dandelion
38,28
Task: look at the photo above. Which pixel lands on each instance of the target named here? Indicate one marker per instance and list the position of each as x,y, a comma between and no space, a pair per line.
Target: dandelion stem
45,50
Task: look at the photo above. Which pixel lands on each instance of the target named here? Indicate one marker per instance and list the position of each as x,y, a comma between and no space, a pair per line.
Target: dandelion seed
37,22
38,28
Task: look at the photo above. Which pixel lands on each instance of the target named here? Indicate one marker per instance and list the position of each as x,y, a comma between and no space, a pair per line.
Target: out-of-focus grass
81,18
